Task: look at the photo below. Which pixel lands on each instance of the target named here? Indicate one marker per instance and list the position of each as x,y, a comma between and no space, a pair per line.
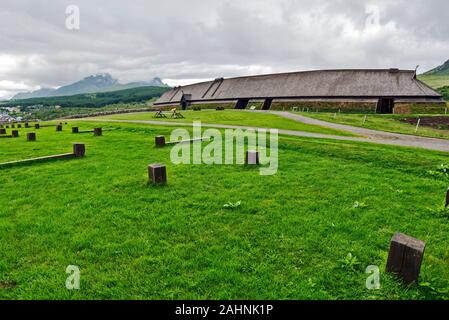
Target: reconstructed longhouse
381,91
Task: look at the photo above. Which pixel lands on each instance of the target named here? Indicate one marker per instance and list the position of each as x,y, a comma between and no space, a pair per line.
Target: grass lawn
387,122
132,240
233,117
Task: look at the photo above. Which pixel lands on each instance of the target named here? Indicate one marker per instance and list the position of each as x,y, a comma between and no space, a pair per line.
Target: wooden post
27,125
59,127
160,141
31,136
364,120
417,125
19,125
98,132
252,158
447,198
79,149
15,133
13,126
157,174
2,131
37,126
75,129
405,257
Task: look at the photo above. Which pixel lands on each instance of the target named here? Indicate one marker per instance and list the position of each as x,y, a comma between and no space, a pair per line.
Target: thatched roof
308,84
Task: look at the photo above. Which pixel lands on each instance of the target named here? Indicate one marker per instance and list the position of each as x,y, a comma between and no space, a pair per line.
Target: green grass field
233,117
132,240
389,123
435,81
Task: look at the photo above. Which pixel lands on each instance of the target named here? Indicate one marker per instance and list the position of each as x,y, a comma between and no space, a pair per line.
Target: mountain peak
100,82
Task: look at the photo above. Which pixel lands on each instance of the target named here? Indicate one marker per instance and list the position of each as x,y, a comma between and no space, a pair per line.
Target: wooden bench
174,114
96,131
78,152
160,141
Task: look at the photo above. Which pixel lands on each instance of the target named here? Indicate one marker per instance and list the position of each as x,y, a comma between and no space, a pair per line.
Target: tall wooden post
75,129
405,257
15,133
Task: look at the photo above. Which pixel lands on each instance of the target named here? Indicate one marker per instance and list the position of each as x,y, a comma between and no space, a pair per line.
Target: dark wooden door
385,105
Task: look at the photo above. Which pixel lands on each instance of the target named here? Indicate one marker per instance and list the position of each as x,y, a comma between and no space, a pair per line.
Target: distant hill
94,100
92,84
440,70
437,77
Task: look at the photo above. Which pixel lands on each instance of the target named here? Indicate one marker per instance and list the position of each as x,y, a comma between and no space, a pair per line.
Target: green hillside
437,77
94,100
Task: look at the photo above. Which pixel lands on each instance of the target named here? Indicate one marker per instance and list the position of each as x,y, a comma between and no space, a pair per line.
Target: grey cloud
136,40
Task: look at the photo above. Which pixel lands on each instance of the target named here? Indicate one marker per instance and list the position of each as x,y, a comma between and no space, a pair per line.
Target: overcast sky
184,41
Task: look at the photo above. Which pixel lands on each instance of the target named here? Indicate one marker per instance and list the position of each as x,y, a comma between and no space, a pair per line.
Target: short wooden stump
98,132
13,126
160,141
59,127
37,126
405,257
27,125
15,133
31,136
2,131
75,129
157,174
252,158
19,126
447,198
79,149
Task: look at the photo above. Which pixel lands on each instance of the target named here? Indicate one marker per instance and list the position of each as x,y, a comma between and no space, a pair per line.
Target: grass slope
388,123
436,81
135,241
233,117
